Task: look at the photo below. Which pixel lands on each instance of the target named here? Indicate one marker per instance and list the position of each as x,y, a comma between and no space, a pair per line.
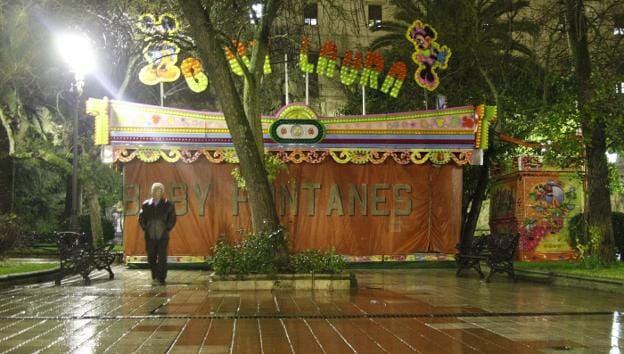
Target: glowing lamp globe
75,49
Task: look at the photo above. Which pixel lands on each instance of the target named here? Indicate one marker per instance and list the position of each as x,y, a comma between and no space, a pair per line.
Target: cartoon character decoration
162,55
549,195
161,58
429,55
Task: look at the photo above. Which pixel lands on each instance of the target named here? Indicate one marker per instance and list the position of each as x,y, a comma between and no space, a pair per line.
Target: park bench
78,256
496,250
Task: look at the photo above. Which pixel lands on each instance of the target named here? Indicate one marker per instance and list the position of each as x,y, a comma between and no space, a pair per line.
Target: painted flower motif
155,118
539,231
467,122
283,130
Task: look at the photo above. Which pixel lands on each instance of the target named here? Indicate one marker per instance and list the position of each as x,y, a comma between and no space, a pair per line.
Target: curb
294,281
28,278
557,279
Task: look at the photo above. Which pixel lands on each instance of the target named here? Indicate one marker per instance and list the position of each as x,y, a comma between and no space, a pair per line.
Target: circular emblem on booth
297,131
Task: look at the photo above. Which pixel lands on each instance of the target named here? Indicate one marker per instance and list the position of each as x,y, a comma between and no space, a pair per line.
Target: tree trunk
253,77
253,111
6,182
598,194
469,225
6,167
7,134
95,217
261,202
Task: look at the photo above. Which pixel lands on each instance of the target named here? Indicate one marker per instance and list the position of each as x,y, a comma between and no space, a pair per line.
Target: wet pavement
394,311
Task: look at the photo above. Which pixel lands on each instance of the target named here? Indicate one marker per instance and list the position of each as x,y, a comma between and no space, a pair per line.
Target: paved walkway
398,311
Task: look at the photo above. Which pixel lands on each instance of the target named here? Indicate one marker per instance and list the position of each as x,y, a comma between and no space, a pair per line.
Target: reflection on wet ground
394,311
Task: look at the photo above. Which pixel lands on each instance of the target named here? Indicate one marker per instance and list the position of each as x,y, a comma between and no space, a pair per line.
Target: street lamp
76,52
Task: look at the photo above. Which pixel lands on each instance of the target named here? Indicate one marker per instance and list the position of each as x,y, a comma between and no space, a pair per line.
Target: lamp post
76,52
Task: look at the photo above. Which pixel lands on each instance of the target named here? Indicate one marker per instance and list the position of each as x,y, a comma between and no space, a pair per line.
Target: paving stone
396,311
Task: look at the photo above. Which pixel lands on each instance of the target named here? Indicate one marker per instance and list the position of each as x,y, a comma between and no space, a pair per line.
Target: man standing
157,218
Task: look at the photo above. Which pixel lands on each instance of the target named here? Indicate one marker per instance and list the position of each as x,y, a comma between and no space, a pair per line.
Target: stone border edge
558,279
28,277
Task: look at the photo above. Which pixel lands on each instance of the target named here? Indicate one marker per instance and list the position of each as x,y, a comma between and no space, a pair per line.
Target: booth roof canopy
131,130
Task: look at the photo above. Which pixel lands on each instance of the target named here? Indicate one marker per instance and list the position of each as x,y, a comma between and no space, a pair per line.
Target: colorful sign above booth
161,57
296,132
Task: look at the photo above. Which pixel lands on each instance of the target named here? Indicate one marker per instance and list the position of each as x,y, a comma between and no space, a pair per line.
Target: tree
585,118
35,132
211,27
594,132
29,128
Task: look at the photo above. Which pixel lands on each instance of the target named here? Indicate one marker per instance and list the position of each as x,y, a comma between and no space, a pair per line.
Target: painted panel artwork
549,203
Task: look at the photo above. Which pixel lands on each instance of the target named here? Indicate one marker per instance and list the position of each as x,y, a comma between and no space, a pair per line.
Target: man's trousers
157,257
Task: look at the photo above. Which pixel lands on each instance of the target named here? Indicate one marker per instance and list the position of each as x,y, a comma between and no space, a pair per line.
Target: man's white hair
158,185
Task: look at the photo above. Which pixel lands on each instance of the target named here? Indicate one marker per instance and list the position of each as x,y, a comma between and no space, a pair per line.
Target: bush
267,254
578,235
254,254
9,233
316,261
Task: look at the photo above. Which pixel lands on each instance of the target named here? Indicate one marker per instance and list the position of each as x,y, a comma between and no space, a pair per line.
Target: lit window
374,16
619,88
618,25
310,14
255,13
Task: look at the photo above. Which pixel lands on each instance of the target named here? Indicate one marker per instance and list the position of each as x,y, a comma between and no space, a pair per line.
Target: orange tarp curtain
360,210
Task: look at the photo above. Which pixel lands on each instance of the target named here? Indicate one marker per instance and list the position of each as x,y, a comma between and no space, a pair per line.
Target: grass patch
14,267
615,271
39,251
44,249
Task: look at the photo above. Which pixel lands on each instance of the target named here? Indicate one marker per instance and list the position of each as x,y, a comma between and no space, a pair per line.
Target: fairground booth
537,201
373,187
